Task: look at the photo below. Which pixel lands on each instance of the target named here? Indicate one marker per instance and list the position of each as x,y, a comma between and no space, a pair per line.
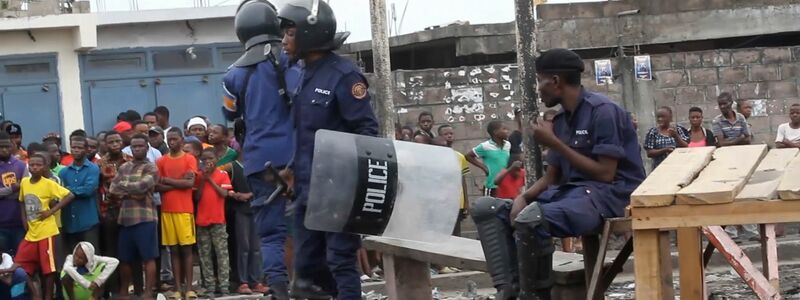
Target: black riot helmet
315,24
256,23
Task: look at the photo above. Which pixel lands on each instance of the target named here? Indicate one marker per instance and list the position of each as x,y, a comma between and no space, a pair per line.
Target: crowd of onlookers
149,196
729,128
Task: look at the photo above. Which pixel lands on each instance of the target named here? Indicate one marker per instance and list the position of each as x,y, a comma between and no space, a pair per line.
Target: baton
271,175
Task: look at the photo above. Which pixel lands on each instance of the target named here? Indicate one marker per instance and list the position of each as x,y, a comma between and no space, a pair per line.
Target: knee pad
486,208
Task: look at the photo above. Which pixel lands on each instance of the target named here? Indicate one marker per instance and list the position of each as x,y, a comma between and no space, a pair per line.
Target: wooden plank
740,263
690,261
648,268
461,253
674,173
763,184
406,278
467,254
665,258
789,188
745,212
724,176
769,254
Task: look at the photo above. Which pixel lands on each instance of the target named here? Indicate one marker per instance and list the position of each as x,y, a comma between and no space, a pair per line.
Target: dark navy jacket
269,132
332,95
599,127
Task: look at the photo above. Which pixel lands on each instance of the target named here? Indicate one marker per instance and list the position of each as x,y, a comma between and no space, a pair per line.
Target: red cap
122,126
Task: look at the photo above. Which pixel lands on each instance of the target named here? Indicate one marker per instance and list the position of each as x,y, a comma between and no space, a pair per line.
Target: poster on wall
643,68
602,72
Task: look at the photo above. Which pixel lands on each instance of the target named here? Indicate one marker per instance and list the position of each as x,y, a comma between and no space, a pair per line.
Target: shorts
137,243
37,256
177,229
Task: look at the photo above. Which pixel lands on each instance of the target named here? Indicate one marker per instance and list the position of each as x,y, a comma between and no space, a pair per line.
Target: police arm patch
359,90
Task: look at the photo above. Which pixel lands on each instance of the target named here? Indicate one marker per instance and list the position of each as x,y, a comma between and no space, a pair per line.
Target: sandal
191,295
173,295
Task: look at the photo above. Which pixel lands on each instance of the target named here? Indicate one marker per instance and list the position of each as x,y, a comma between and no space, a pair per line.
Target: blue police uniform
579,204
597,127
269,136
332,96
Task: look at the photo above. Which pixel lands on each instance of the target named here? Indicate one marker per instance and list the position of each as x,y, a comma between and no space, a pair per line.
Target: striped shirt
721,126
135,182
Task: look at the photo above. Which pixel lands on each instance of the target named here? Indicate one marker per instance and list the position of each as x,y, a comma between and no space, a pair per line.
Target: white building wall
60,42
166,34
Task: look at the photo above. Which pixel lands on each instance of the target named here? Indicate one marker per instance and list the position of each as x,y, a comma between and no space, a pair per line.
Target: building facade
65,72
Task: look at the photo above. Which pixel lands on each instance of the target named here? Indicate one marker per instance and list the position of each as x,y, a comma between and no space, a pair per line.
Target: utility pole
382,68
526,50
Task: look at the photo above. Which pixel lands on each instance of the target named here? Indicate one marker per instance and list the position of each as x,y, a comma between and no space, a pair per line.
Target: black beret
559,60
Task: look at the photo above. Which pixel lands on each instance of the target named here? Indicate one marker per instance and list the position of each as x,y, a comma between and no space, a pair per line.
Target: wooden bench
407,265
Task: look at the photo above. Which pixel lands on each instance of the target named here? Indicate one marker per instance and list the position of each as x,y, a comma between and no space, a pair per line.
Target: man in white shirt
789,133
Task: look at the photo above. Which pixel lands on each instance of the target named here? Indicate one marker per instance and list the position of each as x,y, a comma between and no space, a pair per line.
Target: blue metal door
109,98
188,96
35,108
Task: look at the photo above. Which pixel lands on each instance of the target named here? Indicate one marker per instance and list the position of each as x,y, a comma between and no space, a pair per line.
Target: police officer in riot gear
593,167
332,95
255,91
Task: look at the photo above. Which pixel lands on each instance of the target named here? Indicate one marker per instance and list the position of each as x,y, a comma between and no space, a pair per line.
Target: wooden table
652,263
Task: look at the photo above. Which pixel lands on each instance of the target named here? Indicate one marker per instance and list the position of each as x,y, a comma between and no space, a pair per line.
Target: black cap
14,129
559,60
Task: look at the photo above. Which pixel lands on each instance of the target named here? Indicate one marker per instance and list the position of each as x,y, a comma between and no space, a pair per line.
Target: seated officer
593,166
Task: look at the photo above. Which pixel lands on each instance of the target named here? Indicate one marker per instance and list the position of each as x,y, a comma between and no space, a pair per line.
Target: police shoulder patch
359,90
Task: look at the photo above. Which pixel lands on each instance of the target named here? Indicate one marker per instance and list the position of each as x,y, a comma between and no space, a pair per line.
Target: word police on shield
375,186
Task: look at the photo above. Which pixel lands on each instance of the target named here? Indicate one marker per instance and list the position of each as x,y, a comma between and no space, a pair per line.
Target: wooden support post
740,262
406,278
650,268
691,263
769,254
596,270
591,246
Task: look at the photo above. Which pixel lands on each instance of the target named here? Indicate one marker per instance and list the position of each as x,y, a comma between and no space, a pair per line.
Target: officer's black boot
279,291
498,245
306,289
535,255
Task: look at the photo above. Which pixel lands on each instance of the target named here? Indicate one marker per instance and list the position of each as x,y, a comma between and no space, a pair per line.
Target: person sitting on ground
664,138
14,282
85,273
789,132
493,154
699,136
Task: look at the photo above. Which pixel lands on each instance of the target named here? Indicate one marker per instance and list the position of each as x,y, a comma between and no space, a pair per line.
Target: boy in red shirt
214,186
511,180
177,171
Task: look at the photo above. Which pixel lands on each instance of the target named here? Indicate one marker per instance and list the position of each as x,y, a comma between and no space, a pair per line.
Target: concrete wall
596,25
467,98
